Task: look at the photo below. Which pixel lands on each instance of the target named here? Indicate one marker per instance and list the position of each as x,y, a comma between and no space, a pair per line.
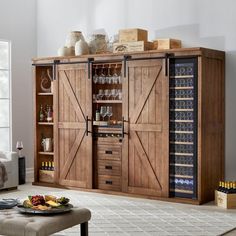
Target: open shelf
45,123
45,94
46,153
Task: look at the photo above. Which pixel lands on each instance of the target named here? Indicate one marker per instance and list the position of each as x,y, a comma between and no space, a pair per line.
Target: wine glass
19,146
95,76
100,94
103,112
114,93
109,76
115,76
109,112
107,93
102,77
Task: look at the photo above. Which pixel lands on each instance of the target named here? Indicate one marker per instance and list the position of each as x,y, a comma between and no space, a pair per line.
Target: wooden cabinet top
197,51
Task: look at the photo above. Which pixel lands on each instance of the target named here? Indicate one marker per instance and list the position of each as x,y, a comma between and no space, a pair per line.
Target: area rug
117,215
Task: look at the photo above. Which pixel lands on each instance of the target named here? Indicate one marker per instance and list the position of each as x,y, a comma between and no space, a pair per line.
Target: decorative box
133,35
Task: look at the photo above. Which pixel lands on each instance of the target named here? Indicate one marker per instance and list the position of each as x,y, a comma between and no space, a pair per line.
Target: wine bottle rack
183,142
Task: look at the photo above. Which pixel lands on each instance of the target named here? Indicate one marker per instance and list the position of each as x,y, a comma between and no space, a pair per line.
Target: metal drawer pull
108,167
108,182
108,152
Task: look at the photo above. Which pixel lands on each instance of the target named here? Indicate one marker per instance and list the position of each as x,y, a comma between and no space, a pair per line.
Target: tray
53,211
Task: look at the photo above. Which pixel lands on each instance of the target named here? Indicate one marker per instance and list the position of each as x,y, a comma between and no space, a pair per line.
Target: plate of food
45,205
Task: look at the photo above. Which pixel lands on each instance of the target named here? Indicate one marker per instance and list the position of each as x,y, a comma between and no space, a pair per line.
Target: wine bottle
234,187
42,166
46,166
41,114
49,165
223,187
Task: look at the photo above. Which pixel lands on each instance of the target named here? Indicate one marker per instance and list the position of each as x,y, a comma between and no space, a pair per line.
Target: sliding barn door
145,158
74,144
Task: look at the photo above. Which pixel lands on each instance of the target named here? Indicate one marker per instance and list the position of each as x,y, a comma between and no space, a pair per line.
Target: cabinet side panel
212,126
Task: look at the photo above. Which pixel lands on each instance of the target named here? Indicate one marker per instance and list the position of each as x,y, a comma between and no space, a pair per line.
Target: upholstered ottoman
13,223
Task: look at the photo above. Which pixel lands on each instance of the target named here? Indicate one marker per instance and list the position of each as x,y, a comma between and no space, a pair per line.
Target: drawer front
109,152
107,182
107,167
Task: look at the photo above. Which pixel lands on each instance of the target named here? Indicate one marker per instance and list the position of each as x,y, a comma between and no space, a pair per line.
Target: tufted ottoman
13,223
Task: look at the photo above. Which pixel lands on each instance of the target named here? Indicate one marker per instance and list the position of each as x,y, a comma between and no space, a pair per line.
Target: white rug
115,215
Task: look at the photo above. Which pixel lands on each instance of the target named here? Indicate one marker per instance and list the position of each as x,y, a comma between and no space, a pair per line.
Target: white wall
207,23
18,24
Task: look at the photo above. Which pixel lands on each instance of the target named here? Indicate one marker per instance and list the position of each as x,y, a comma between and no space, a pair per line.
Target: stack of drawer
109,166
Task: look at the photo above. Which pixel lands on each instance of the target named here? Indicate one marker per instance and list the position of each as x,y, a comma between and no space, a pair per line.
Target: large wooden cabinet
164,135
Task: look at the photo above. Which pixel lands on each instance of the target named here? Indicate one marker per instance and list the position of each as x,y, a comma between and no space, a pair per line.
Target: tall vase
73,37
81,48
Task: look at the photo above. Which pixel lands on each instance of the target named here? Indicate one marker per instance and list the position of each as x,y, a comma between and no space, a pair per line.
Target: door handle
109,182
86,128
108,152
123,127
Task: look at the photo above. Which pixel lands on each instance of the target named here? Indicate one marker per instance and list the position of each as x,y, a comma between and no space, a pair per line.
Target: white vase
81,48
65,51
72,38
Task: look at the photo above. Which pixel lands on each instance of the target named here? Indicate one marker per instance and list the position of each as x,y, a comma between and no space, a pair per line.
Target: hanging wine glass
115,75
19,147
102,76
95,76
109,76
100,94
103,112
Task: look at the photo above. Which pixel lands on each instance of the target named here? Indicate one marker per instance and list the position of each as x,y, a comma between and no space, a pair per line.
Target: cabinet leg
84,229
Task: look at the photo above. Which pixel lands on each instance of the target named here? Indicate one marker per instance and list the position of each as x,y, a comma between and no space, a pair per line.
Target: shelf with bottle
181,191
45,114
45,123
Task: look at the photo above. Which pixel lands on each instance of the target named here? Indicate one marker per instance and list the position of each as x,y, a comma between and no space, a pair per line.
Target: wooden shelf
181,76
187,121
184,165
45,94
182,176
181,99
180,132
179,88
181,191
107,101
45,123
175,142
181,154
46,153
181,109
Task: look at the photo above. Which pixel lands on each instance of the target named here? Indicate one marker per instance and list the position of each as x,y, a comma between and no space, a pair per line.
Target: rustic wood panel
75,147
211,124
148,130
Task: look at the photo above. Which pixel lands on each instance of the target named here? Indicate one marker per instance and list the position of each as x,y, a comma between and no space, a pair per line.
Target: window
5,96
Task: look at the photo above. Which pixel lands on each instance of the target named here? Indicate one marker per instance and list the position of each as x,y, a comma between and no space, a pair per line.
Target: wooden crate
166,43
132,46
133,35
227,201
46,176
